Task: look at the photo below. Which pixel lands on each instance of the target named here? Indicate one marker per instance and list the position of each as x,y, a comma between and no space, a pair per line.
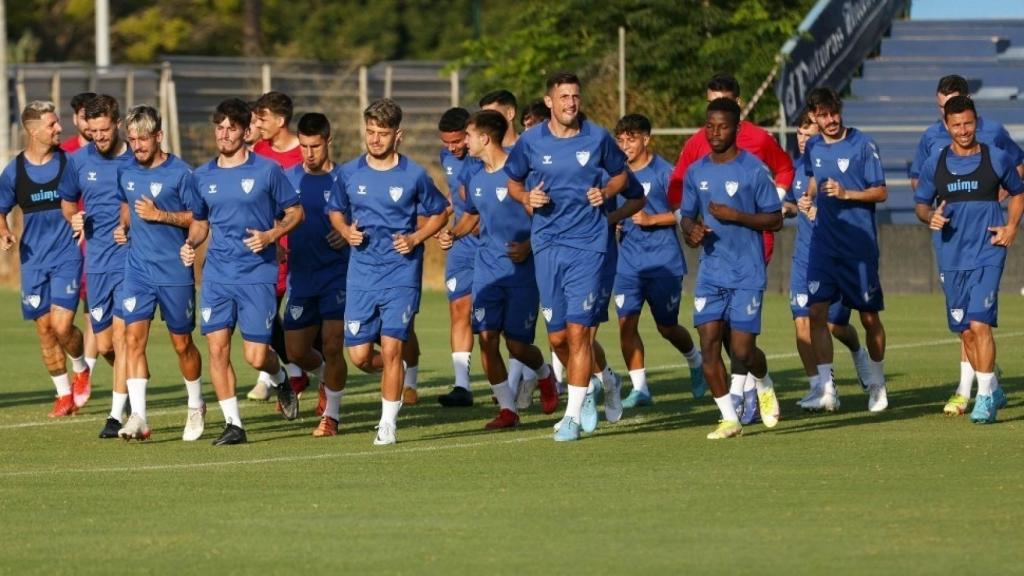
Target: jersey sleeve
69,189
634,189
766,197
468,204
121,196
431,201
874,175
612,157
1005,167
687,156
920,157
188,193
689,208
200,211
517,166
285,195
925,191
7,196
1007,144
338,199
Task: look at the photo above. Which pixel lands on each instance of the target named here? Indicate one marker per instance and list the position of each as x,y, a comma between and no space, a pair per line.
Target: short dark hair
824,98
453,120
490,122
727,105
724,83
102,106
957,104
235,110
385,113
279,104
500,97
953,84
537,109
314,124
79,100
559,78
805,118
633,124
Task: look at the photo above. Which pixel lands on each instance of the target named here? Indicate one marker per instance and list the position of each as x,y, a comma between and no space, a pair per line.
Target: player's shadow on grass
12,399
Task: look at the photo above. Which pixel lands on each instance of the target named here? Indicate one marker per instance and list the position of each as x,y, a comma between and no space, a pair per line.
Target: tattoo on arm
179,219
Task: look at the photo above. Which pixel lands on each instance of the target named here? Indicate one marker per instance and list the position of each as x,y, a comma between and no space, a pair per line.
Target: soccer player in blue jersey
650,264
157,193
237,196
958,197
50,261
388,207
733,193
565,160
846,182
316,275
505,297
96,168
838,314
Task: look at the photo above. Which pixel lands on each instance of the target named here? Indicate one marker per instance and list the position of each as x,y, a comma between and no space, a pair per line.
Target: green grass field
907,491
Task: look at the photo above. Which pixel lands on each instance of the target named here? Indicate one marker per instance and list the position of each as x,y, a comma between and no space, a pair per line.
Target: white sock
282,376
966,380
267,379
556,367
137,395
90,362
985,383
78,364
543,372
389,412
62,384
333,407
639,379
574,405
230,409
814,382
411,373
694,358
877,371
506,400
117,403
750,383
195,393
736,384
727,409
825,377
460,363
763,384
515,373
293,370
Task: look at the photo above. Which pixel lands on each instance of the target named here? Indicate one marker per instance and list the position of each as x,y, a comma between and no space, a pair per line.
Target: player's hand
641,218
355,235
696,235
445,239
188,254
403,243
835,190
596,197
335,241
938,220
518,252
723,212
146,209
805,203
538,198
120,234
78,224
257,241
7,240
1002,235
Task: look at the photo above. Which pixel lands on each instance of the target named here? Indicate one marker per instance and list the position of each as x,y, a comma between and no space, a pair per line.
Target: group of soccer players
555,223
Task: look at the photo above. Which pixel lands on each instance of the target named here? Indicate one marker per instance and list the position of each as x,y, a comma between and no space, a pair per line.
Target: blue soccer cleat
637,398
984,410
999,397
568,430
588,414
697,384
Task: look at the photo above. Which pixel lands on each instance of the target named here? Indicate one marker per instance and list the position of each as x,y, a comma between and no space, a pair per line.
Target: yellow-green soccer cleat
726,429
956,405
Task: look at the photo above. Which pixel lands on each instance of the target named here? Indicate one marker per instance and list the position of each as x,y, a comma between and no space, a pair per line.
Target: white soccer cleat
385,435
613,399
878,398
768,404
827,401
195,424
135,429
524,394
810,398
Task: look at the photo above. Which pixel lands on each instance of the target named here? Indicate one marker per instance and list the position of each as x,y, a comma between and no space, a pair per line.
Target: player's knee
182,344
666,331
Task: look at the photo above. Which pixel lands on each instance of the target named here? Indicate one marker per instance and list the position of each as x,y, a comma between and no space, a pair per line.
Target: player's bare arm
763,221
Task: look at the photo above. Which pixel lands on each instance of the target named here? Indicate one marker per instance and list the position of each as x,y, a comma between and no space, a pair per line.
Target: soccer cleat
999,397
769,407
299,383
827,401
328,427
750,413
613,400
984,410
81,388
956,405
232,435
698,387
110,428
567,430
287,401
726,429
505,419
385,435
588,414
810,398
410,396
260,392
458,397
878,399
548,394
637,398
135,429
195,424
63,406
321,400
861,364
524,394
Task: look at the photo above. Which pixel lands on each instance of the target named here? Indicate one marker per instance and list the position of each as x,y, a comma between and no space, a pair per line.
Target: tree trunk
251,28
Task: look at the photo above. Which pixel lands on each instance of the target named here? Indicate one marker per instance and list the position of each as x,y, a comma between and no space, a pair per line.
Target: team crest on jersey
813,286
957,314
547,160
451,283
247,184
295,311
479,314
547,314
327,196
583,156
212,190
97,313
698,304
395,192
501,193
647,187
942,278
206,312
353,327
620,299
361,190
33,300
731,187
703,184
801,300
131,186
155,188
843,164
92,177
129,303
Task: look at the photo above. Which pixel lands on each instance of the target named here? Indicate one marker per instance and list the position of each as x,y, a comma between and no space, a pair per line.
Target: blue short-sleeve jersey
502,220
935,138
651,251
845,228
567,167
95,183
383,203
46,238
235,200
153,246
732,255
965,240
312,263
804,226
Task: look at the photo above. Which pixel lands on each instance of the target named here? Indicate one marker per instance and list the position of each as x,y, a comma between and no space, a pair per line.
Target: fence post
129,88
19,90
172,109
55,88
388,77
265,74
622,71
455,87
782,125
364,96
162,93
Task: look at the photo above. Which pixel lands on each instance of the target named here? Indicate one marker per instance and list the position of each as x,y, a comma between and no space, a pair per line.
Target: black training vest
35,196
982,185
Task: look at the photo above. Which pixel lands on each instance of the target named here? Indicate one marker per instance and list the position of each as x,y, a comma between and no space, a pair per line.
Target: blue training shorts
971,296
569,280
104,296
139,300
740,308
370,314
252,307
42,288
662,295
